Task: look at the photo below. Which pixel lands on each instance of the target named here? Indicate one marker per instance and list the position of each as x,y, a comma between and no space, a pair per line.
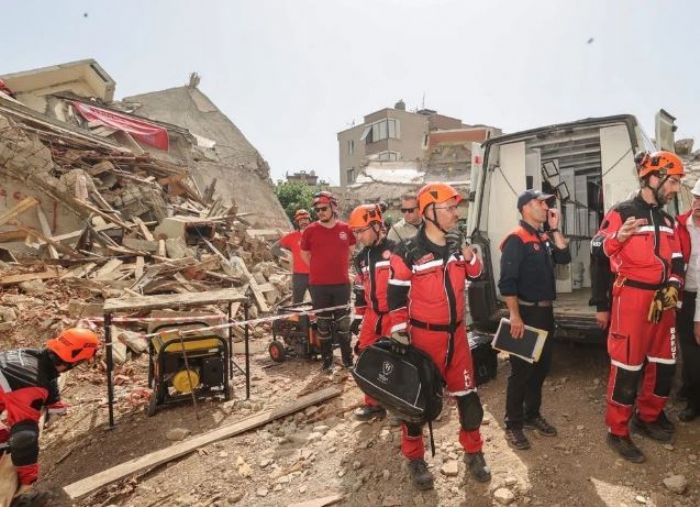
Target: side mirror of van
472,196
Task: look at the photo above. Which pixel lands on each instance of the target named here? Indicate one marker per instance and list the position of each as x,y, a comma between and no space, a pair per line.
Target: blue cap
531,194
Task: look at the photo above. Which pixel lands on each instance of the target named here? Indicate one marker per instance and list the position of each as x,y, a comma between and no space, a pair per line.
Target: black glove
454,239
355,326
400,341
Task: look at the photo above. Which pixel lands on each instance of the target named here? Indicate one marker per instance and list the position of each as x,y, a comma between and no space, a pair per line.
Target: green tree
294,195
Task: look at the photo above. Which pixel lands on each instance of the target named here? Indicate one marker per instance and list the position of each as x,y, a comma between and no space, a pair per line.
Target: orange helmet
435,193
74,345
300,214
324,197
664,163
364,216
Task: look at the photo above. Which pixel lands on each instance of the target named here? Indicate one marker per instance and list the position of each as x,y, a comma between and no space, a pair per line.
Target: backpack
408,385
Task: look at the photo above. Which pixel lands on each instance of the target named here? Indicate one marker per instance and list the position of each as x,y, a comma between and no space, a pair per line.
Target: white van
589,165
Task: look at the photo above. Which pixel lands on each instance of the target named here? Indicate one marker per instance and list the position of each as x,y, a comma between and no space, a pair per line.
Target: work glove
400,342
656,308
670,297
455,240
355,326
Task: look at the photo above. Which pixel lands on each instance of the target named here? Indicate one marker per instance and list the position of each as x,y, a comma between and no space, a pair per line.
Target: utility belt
624,281
535,303
435,327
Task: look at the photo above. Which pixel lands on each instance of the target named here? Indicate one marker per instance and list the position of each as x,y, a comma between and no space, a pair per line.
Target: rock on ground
503,496
676,483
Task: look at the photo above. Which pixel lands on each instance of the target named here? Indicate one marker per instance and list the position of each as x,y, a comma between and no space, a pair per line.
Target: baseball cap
531,194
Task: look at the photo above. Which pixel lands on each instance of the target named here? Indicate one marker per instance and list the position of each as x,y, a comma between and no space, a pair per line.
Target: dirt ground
323,451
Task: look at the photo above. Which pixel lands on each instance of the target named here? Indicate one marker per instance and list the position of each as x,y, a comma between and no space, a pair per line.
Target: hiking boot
665,423
31,499
688,414
367,413
542,427
654,430
420,475
516,437
626,448
477,466
327,367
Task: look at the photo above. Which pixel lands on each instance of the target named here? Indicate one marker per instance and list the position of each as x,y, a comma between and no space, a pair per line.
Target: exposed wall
242,174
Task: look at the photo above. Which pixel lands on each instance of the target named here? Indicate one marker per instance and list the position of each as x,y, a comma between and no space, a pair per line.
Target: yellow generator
181,365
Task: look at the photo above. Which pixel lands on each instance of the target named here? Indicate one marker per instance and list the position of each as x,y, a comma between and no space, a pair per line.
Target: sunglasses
408,210
321,208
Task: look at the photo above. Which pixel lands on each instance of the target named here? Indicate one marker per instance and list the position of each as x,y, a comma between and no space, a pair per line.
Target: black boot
327,355
31,499
345,349
477,466
420,475
367,412
656,430
626,448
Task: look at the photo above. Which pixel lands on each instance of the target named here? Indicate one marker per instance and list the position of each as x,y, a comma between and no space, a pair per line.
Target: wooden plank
44,275
107,268
254,287
21,207
162,251
46,229
318,502
107,216
50,241
144,230
79,271
94,482
170,300
12,236
138,272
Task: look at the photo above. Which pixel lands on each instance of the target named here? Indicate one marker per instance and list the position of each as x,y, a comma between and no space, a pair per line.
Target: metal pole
230,340
110,366
246,307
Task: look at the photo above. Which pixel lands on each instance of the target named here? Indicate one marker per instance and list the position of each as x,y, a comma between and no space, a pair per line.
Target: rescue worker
688,320
408,226
427,310
292,242
370,288
646,260
528,285
29,383
326,246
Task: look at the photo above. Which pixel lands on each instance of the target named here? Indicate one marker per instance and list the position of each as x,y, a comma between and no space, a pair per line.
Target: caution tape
238,323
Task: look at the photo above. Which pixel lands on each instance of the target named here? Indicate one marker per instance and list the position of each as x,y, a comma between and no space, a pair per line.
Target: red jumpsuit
647,261
370,288
28,382
427,299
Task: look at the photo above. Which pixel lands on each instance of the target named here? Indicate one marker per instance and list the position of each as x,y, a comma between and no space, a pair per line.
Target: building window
388,156
381,130
350,175
351,147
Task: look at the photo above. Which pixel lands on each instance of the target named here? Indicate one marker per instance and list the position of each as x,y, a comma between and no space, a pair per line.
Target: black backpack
408,385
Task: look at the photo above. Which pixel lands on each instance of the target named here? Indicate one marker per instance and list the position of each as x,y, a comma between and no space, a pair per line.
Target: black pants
524,393
690,350
333,326
300,282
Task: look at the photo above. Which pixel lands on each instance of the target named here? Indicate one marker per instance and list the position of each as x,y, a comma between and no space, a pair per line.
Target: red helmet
664,163
301,214
324,197
74,345
435,193
364,216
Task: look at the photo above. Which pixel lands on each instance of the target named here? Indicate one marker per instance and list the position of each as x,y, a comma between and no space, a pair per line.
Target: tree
294,195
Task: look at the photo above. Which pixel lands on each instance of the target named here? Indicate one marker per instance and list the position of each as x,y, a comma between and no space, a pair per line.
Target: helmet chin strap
377,228
434,220
656,190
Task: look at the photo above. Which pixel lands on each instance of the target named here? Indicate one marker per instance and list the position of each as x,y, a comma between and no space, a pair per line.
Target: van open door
665,131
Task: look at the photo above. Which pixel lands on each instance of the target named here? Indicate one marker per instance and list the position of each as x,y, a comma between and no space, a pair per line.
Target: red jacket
372,278
652,255
427,283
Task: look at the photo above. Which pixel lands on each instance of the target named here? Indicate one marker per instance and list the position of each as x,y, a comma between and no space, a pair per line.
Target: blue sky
291,74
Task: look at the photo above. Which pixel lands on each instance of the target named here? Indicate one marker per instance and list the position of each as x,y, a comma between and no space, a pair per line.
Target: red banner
142,130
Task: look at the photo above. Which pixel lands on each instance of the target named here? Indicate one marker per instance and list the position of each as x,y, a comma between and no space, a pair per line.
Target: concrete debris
676,483
177,434
503,496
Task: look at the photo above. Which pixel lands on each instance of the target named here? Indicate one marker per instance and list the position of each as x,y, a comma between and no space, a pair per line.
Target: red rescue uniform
372,266
427,299
647,261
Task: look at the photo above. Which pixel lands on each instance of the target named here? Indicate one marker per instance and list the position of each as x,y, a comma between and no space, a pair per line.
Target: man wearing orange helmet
370,288
292,242
326,246
645,255
427,310
28,383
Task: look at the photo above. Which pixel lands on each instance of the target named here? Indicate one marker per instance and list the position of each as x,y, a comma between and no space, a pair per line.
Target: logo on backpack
384,375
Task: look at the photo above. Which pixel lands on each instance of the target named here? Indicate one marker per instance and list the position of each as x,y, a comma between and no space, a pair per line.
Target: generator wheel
152,406
277,351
